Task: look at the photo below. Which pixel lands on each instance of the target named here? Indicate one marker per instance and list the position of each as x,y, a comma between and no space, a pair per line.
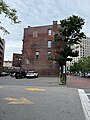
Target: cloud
12,47
41,12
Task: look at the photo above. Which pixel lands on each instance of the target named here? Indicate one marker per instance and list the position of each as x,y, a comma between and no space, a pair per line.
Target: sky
38,13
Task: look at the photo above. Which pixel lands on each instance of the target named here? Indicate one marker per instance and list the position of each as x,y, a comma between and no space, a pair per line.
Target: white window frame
49,43
49,32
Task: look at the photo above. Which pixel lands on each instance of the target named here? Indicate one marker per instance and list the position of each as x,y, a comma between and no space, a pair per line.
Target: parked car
12,74
88,75
31,74
20,74
4,74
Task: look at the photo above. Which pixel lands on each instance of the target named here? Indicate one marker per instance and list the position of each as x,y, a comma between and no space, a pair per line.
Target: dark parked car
4,74
20,74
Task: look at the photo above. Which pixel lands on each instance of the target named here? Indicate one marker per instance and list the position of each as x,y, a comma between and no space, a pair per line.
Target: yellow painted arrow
35,89
18,101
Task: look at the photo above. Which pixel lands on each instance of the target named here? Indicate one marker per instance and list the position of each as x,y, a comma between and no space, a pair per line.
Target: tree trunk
62,74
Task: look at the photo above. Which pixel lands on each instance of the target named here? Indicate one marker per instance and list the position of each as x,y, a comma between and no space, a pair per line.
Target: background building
38,47
7,64
2,48
85,47
17,60
84,50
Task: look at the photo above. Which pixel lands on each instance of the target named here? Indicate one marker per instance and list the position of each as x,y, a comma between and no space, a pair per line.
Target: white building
7,64
84,50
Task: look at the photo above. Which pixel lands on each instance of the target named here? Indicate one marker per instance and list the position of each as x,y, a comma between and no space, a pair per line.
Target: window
49,31
49,43
35,34
37,55
49,54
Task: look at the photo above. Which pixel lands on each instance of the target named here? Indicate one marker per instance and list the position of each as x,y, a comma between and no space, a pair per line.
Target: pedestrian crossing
85,101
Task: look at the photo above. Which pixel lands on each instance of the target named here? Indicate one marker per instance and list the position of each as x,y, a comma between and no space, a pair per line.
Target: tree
74,68
10,13
84,65
69,35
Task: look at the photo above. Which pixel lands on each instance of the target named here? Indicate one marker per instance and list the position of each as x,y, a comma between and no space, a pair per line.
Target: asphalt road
38,99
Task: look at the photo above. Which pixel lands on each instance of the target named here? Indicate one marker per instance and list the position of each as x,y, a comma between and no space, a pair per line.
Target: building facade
2,49
84,50
17,60
38,47
7,64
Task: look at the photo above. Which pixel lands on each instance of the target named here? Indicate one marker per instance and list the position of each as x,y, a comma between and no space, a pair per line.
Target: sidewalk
78,82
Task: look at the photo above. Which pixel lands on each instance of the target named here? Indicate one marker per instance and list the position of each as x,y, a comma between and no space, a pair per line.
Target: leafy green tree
84,65
69,35
88,63
74,68
5,69
8,12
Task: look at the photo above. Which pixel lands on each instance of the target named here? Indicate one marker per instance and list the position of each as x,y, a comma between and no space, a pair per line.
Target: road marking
85,103
18,101
10,99
35,89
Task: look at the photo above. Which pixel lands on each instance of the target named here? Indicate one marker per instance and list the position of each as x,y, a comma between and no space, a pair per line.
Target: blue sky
38,13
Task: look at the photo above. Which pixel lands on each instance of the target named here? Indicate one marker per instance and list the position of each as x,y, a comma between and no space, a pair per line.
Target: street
41,98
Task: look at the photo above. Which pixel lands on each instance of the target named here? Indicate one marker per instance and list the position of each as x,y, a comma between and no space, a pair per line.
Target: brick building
38,47
2,48
17,60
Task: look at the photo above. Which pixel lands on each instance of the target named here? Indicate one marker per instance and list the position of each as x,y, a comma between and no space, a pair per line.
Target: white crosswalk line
85,103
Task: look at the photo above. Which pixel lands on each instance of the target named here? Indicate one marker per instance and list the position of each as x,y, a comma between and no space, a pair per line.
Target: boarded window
35,34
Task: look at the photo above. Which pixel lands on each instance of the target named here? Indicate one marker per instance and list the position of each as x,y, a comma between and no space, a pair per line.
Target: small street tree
10,13
84,65
74,68
69,35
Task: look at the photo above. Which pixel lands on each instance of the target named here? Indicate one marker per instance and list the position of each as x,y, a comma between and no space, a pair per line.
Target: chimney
54,22
29,26
55,26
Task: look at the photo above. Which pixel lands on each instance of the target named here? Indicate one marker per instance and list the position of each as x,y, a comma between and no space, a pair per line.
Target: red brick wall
17,60
39,43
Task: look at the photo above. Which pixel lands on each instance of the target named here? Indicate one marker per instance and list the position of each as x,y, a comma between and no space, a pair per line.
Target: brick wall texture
36,49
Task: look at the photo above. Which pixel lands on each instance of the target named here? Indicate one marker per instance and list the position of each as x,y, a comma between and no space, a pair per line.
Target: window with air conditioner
37,55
